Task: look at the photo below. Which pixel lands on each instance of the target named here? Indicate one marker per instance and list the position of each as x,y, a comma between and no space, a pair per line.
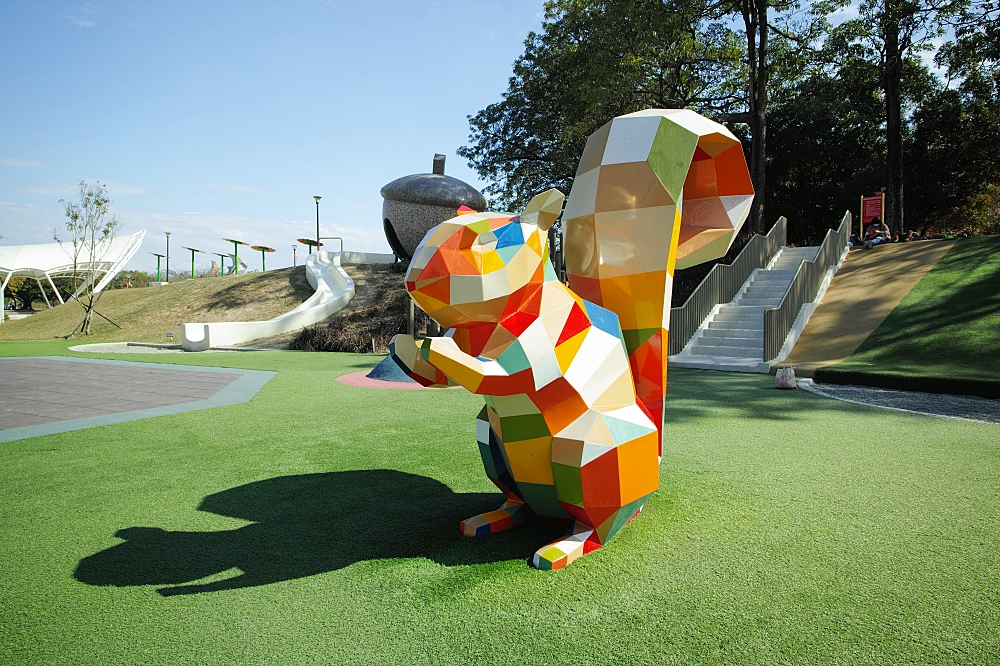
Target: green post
263,266
158,257
236,258
192,264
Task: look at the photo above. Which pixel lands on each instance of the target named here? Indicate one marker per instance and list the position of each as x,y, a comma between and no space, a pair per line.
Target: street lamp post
317,198
168,255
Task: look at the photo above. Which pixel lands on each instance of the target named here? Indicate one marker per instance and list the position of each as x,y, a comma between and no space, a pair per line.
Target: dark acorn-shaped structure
413,205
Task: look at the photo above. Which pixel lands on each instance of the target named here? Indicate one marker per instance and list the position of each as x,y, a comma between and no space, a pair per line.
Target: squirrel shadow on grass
305,525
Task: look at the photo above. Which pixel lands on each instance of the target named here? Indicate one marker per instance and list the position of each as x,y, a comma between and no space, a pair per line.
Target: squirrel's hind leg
580,540
513,511
511,514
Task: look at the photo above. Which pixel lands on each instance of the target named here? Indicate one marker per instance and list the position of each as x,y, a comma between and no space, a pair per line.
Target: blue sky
223,119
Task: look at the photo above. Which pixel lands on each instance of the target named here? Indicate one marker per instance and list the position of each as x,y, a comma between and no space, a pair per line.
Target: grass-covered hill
944,336
146,314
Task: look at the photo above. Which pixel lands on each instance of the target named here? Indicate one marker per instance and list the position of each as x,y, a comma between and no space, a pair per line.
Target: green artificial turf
318,523
945,334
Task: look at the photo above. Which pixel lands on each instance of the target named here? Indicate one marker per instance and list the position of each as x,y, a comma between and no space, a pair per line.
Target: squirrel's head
467,269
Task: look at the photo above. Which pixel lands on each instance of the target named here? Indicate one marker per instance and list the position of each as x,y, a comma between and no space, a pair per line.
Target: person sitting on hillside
877,233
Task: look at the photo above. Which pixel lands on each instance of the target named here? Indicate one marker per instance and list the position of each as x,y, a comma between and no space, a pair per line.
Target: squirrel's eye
486,241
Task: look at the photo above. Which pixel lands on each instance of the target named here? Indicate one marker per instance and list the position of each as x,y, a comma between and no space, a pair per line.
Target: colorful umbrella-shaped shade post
308,241
236,253
263,249
158,257
192,257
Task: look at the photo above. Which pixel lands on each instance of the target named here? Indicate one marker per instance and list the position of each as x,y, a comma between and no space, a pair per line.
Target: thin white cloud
18,163
53,189
123,190
228,187
66,188
22,224
85,16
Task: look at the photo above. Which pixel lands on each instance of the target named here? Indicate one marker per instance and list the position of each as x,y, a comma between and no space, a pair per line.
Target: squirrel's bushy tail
655,190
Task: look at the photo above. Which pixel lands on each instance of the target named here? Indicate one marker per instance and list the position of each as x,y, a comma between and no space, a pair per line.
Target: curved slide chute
334,289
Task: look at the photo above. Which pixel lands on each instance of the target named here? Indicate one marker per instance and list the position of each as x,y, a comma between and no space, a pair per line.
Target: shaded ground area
869,284
146,314
954,406
318,523
944,337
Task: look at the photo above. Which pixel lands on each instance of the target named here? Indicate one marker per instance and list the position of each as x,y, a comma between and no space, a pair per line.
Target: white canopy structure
53,260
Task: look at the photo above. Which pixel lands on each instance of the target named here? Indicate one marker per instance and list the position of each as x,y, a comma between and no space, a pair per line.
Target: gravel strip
965,407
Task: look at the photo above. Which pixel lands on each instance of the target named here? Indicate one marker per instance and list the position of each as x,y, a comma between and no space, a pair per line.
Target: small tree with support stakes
236,253
262,249
158,257
91,232
192,257
310,242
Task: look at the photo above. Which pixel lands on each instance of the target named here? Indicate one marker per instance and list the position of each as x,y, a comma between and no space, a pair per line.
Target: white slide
334,289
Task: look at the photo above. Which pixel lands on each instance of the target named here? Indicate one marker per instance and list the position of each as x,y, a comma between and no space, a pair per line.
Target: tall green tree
894,32
590,62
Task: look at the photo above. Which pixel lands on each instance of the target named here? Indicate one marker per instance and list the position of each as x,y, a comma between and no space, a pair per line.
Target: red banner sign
871,207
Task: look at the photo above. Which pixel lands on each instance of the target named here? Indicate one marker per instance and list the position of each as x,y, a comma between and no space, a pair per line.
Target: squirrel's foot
510,514
579,541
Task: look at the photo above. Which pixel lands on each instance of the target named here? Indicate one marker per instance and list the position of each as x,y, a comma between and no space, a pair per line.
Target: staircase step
763,302
742,333
764,292
728,352
748,318
754,343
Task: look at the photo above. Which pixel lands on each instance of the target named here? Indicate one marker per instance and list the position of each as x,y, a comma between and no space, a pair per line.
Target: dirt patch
377,312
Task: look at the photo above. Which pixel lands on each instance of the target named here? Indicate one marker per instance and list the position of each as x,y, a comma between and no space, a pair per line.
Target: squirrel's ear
544,209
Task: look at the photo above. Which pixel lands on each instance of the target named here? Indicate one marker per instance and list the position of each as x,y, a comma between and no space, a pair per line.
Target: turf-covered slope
147,313
944,336
318,524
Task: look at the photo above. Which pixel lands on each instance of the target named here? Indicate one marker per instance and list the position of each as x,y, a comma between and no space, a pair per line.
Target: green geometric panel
623,516
621,431
527,426
542,500
480,226
634,338
550,273
488,464
569,489
507,253
670,156
513,359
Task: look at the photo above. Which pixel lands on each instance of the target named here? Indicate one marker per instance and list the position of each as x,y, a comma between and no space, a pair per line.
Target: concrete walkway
43,395
868,286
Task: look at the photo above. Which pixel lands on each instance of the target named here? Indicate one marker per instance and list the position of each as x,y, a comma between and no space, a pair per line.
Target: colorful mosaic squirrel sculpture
574,378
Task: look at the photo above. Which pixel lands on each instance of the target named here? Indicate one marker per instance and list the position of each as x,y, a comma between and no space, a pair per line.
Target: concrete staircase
732,337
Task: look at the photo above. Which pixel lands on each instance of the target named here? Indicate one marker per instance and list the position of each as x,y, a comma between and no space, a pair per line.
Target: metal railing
722,284
804,287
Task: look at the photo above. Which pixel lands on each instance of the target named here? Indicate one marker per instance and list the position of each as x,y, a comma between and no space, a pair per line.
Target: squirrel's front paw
407,355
